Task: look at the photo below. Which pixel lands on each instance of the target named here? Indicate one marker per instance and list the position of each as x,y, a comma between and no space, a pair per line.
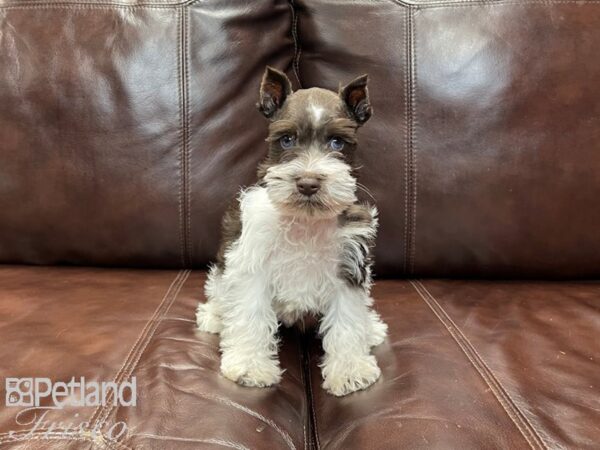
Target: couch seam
179,45
108,5
303,381
297,47
134,362
509,3
413,138
459,3
525,427
68,435
97,412
186,59
93,420
406,145
183,157
97,418
410,172
313,413
96,5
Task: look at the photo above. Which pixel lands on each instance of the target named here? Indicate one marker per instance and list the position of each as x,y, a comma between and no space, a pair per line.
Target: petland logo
43,392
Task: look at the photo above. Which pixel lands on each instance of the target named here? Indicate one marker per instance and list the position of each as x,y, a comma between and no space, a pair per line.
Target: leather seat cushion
110,324
475,364
467,364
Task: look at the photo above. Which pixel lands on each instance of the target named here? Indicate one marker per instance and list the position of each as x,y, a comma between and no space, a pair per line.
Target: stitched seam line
95,5
309,391
99,412
186,137
297,47
512,3
101,445
87,5
460,3
95,416
307,419
406,145
10,435
68,435
22,435
133,362
513,411
413,139
181,137
183,157
410,199
313,411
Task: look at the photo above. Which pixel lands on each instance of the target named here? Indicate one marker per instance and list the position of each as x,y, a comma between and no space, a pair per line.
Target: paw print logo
19,392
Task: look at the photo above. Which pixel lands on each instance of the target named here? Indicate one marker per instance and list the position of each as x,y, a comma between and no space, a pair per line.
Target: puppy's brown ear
356,97
274,89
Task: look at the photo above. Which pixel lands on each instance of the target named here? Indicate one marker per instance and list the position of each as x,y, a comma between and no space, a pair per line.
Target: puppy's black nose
308,186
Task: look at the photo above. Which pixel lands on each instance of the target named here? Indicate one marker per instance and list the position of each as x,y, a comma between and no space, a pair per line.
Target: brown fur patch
231,229
294,119
357,214
342,127
280,128
356,264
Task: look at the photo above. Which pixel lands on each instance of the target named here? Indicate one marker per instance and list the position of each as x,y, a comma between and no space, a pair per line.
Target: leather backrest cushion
483,152
125,129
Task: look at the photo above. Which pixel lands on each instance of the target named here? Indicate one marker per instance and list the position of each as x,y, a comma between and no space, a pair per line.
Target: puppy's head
312,139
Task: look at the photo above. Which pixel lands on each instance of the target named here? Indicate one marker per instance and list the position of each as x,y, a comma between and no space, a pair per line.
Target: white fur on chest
297,259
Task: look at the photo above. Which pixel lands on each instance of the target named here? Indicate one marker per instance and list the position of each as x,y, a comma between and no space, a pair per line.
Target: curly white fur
281,268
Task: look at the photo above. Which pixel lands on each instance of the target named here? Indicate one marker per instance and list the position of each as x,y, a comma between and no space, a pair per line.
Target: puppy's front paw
343,375
378,329
260,372
207,319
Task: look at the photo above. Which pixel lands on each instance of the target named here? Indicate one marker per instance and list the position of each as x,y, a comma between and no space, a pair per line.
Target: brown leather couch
127,125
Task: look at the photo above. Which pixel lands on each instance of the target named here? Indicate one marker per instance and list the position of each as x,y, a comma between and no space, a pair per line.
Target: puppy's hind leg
378,329
208,315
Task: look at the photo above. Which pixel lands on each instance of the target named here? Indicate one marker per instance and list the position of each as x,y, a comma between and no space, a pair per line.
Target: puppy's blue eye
336,143
287,141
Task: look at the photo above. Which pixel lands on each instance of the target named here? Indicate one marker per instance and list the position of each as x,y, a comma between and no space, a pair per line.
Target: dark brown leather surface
483,153
467,364
125,126
106,325
475,365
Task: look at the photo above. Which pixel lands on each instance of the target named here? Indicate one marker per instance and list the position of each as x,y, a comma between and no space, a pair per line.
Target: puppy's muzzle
308,185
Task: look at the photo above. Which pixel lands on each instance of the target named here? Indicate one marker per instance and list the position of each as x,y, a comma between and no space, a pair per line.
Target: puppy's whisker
363,188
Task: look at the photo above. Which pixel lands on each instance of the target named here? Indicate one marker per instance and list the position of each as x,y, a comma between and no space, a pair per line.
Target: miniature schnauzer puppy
298,243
